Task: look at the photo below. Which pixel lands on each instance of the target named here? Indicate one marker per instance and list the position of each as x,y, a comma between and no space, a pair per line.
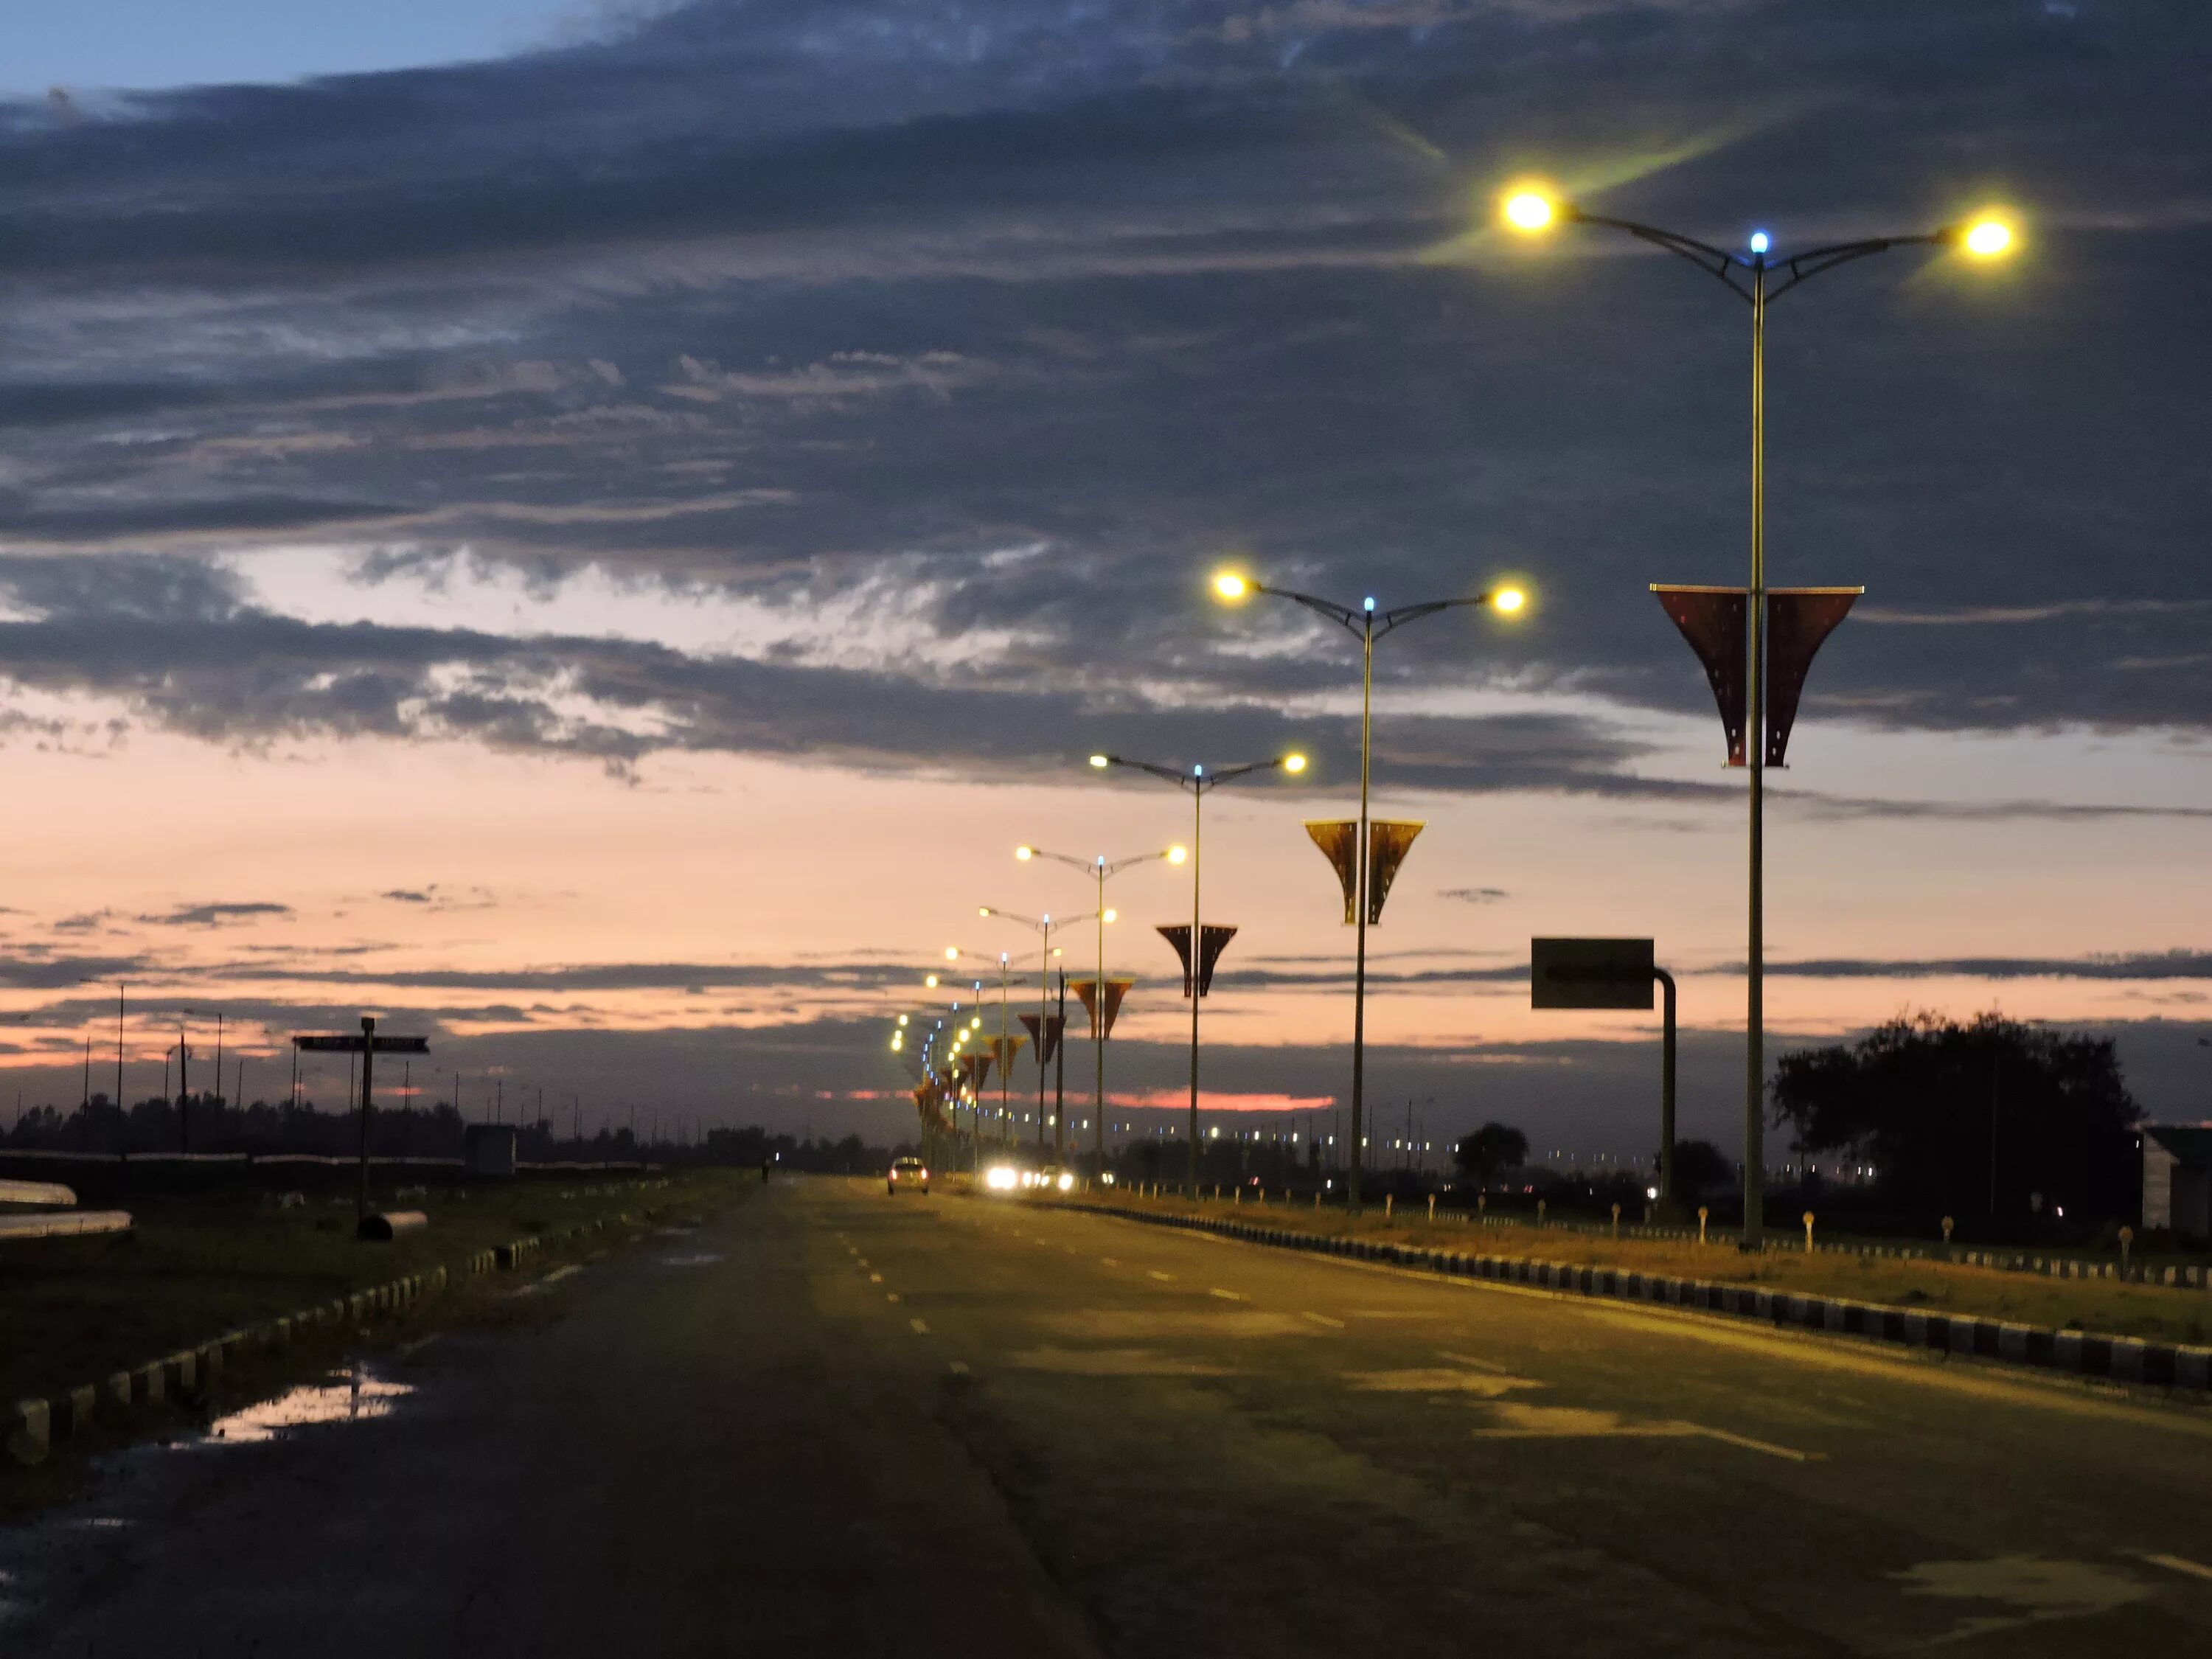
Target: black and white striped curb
29,1428
2122,1360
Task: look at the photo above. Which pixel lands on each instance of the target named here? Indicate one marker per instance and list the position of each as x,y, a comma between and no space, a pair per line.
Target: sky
592,531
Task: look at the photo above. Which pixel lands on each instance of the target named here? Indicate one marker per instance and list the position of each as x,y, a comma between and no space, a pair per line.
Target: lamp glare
1530,211
1508,600
1294,763
1101,762
1989,238
1230,586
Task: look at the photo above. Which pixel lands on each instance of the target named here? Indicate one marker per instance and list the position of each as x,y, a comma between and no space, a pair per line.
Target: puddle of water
347,1395
696,1259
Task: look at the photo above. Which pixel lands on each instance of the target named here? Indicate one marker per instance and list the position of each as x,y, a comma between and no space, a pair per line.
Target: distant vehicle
907,1172
1053,1178
1000,1177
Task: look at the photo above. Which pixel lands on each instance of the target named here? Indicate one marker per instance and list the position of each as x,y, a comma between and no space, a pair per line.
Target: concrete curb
2076,1354
29,1427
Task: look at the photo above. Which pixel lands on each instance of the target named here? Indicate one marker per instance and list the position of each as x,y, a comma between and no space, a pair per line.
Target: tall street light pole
1100,869
1758,277
1367,625
1199,781
1048,953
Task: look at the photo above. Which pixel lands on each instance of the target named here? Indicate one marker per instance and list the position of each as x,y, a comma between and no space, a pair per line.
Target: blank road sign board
1589,973
355,1045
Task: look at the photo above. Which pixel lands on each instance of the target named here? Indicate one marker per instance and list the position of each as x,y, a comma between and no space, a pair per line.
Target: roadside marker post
368,1045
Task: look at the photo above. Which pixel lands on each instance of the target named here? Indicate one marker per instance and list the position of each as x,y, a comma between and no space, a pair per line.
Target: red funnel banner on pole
1712,620
1088,990
1339,841
1388,840
1047,1042
1798,619
978,1067
1213,941
1004,1049
1715,621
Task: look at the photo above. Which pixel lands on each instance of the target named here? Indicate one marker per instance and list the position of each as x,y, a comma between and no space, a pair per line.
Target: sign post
368,1045
1613,973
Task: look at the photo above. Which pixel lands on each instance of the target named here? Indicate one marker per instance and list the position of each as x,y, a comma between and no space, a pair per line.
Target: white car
907,1172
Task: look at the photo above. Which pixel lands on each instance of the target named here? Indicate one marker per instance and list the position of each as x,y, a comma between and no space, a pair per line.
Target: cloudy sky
593,530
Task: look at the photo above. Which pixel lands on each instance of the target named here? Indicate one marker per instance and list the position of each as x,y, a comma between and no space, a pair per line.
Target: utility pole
123,1129
184,1092
218,1060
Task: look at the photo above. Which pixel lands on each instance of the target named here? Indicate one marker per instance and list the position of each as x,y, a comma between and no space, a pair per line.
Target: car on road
907,1172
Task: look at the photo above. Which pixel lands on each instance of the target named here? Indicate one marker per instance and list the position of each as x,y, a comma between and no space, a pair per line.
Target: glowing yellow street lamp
1759,275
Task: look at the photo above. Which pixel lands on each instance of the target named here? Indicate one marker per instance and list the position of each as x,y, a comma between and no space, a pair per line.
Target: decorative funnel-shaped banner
1004,1049
1798,619
978,1068
1213,941
1388,840
1088,990
1712,620
1715,620
1339,841
1048,1044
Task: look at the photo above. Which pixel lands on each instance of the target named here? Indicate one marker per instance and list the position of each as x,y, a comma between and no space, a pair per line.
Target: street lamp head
1101,762
952,953
902,1019
1177,854
1026,854
930,981
1230,586
1509,601
1760,243
1294,763
1110,916
1987,236
982,909
1531,209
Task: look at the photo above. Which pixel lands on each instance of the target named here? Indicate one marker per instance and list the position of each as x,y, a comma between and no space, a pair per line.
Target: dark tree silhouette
1700,1167
1493,1147
1970,1120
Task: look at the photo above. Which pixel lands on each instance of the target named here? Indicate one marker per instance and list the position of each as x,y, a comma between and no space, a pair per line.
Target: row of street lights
1758,277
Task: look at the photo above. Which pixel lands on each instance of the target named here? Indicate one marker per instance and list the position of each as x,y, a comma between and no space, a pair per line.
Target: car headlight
1066,1182
1000,1177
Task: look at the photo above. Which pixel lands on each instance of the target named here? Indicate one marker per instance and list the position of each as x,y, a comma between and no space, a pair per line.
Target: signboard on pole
1590,972
354,1045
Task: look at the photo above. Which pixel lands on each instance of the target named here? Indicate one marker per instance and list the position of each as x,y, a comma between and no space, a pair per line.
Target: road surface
831,1421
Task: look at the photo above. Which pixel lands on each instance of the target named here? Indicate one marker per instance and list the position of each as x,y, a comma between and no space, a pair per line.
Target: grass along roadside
2101,1307
73,1310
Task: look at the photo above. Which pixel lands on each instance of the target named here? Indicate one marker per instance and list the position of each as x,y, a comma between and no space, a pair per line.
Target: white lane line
1767,1446
1108,1261
1323,1319
960,1368
419,1343
2177,1564
1164,1278
1228,1296
891,1295
920,1328
559,1273
875,1279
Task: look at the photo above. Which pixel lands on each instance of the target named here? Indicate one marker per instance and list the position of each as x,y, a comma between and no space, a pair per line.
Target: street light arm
1084,864
1406,613
1343,615
1716,262
1169,773
1803,267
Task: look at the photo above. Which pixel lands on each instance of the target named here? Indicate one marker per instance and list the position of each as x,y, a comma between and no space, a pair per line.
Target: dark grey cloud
790,291
2158,965
215,914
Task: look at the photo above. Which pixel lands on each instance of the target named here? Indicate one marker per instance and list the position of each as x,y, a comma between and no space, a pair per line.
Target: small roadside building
2177,1178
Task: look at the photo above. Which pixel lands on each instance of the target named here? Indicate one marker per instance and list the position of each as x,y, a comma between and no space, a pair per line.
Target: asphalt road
835,1422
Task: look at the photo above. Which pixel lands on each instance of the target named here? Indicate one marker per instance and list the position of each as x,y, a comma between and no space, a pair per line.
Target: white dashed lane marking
1154,1272
1323,1319
1228,1296
1108,1261
960,1368
891,1295
920,1327
875,1279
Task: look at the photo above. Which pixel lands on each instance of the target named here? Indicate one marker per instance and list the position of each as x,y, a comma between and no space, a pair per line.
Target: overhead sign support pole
1613,973
368,1045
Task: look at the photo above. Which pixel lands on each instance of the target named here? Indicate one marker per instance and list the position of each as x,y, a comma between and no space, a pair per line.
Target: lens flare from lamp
1508,600
1230,586
1177,854
1294,763
1111,915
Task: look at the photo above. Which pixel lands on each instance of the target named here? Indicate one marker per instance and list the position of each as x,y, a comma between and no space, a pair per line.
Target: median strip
2079,1353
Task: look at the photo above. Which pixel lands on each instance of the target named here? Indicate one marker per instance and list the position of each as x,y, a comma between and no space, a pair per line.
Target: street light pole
1099,869
1199,781
1367,625
1532,211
